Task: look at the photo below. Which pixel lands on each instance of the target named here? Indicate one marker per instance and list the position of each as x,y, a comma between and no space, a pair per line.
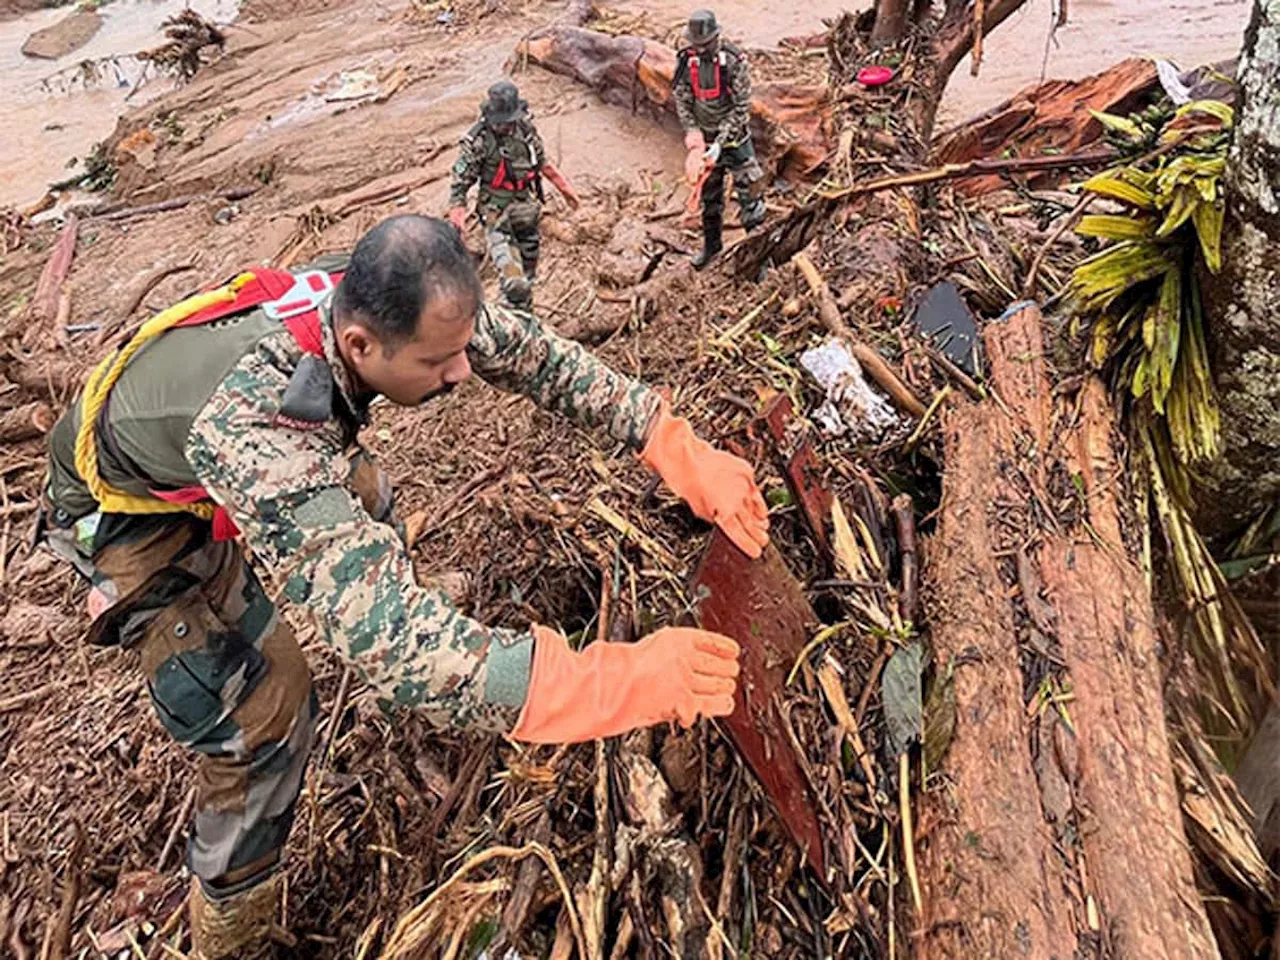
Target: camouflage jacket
481,152
288,490
726,118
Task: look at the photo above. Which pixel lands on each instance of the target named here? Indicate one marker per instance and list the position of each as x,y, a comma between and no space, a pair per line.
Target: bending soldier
234,415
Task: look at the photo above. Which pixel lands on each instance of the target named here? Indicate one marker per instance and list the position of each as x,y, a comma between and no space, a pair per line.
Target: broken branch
874,364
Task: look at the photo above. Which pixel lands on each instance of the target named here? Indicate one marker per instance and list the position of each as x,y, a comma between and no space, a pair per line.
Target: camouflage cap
504,104
702,27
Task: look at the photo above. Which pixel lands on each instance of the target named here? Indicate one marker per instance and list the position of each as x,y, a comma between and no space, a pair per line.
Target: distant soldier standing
504,154
712,90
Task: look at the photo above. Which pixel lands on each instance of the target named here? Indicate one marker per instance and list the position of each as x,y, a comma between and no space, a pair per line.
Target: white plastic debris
851,406
1178,92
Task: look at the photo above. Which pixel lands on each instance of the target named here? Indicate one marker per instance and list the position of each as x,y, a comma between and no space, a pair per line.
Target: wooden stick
152,280
979,18
174,203
962,379
26,422
20,700
829,680
407,922
1029,288
976,168
904,522
908,834
44,305
872,362
59,938
183,815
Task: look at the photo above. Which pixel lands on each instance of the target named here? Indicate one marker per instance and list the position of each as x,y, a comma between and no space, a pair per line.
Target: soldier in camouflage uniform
244,424
504,154
712,90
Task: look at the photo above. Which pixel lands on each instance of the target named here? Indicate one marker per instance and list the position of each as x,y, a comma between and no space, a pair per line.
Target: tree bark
1035,808
953,40
891,22
1242,322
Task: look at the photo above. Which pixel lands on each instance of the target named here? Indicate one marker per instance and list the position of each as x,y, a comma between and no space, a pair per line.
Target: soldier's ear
356,341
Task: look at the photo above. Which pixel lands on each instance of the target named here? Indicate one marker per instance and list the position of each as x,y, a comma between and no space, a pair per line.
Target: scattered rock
71,33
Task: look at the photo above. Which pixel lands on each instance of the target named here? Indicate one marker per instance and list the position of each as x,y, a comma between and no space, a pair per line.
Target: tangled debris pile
889,720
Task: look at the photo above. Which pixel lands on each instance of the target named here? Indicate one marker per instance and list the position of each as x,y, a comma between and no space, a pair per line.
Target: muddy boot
711,242
240,925
752,214
517,289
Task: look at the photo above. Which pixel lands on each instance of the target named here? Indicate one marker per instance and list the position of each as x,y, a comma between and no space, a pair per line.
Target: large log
1049,835
792,123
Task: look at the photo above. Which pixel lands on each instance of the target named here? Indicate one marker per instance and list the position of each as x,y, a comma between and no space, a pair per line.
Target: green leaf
1118,124
900,689
1208,220
778,497
1185,201
1116,187
1114,227
1215,108
1099,280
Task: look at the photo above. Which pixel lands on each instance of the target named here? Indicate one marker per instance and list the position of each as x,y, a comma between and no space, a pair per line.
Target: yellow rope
104,377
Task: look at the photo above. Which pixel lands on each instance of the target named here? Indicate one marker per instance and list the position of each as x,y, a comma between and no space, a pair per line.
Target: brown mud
499,490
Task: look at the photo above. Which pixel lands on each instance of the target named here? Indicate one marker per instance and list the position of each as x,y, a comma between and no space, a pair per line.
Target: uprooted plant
1142,294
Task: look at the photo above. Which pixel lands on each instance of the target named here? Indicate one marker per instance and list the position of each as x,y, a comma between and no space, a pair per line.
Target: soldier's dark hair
397,268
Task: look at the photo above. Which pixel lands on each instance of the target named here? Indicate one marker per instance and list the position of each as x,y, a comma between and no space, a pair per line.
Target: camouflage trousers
224,671
748,182
514,242
223,668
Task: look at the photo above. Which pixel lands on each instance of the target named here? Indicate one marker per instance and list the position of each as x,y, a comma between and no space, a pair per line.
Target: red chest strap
294,300
712,93
502,180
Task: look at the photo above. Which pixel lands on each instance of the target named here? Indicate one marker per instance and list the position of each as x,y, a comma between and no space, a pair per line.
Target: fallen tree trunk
791,123
1060,824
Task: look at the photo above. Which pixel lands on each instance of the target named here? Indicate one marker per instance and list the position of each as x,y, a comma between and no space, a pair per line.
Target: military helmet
504,104
702,27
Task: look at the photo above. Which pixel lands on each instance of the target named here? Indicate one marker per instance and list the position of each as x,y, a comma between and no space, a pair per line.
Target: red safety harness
502,179
292,298
710,93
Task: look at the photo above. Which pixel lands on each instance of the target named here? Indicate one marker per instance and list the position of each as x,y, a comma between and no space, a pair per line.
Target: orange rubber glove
561,184
458,217
696,144
676,673
719,487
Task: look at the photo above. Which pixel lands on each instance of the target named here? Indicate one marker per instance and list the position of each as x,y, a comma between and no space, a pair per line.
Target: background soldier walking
504,154
712,89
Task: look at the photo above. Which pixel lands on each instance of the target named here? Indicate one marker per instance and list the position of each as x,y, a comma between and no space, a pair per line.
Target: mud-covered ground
78,744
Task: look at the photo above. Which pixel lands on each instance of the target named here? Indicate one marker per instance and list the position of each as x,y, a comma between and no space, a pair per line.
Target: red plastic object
874,76
762,606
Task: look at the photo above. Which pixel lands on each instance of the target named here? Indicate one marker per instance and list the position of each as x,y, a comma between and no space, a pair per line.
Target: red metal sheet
762,606
800,467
